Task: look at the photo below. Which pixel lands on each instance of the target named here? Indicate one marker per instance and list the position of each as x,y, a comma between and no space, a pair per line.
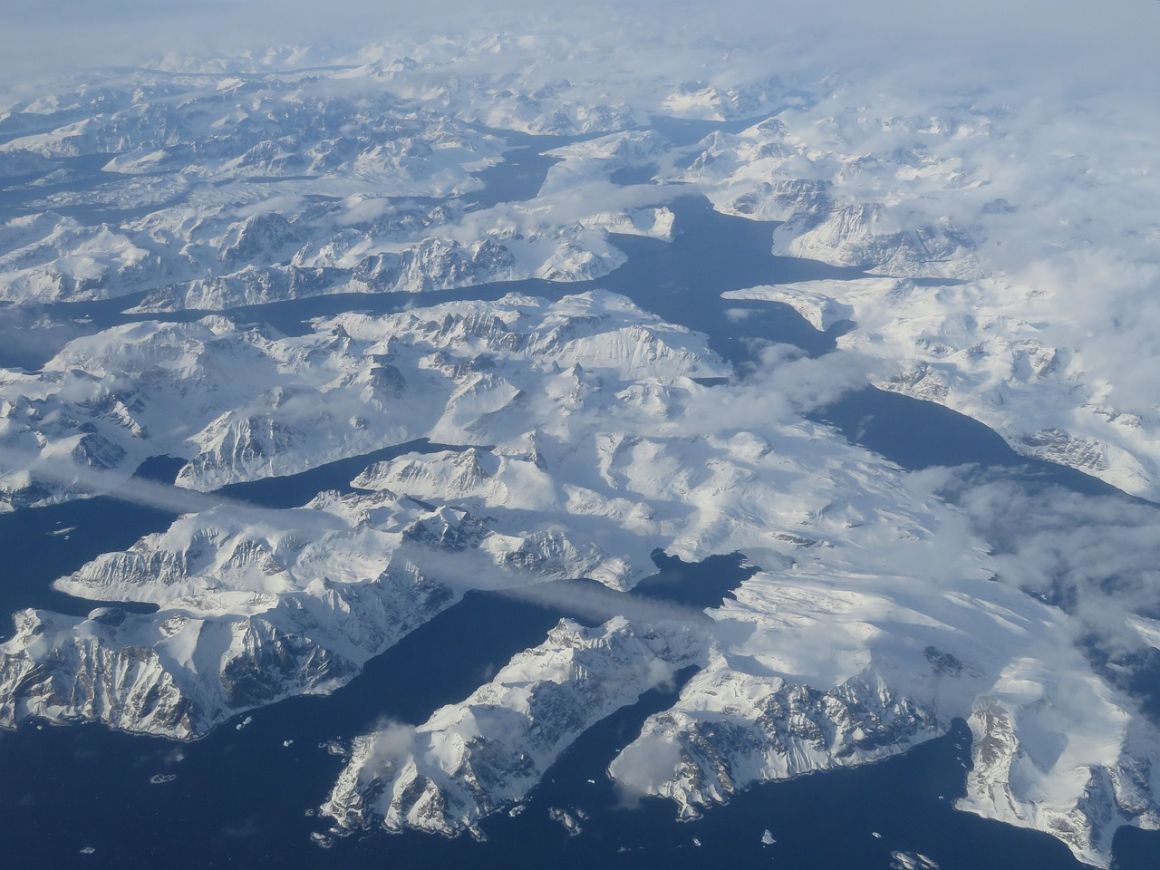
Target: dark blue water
521,174
628,175
917,434
83,174
240,798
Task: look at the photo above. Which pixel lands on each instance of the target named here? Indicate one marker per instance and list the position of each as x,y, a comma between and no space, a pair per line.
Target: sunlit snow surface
448,359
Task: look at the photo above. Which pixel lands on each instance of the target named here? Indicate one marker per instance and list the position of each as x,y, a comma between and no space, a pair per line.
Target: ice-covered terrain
188,189
489,751
278,595
876,621
158,226
244,402
214,191
254,608
877,627
1037,275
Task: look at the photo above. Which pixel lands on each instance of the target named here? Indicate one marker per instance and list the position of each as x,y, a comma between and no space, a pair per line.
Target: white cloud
1098,557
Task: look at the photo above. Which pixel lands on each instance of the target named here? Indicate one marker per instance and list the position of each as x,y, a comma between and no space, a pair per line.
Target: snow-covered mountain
244,403
1000,259
489,751
254,607
1004,305
875,622
860,647
213,191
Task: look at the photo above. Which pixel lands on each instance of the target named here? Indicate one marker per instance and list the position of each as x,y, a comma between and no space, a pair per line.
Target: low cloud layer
1097,557
1069,43
154,494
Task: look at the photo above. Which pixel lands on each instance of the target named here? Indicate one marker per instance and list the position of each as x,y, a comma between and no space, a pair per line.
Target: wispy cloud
1097,557
471,570
150,493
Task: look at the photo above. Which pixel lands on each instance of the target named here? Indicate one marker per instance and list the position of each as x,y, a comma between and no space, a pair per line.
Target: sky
1071,41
